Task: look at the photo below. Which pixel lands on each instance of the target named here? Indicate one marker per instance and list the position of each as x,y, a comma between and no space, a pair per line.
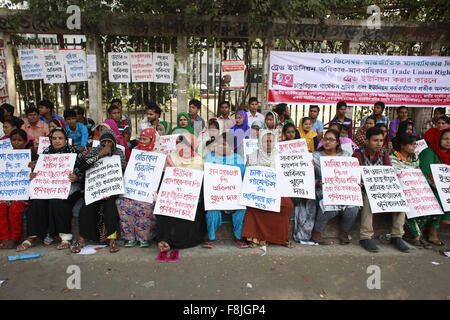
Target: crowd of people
219,140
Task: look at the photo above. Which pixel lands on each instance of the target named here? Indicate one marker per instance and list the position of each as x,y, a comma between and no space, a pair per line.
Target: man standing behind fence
152,120
196,121
340,118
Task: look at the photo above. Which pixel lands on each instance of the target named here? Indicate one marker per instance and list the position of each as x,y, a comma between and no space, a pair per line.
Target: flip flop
240,244
173,256
162,257
208,244
131,243
436,243
144,244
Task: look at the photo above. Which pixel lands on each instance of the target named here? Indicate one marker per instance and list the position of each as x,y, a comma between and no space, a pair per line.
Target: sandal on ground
130,243
173,257
77,246
9,244
436,242
416,243
113,246
208,244
240,244
425,245
289,244
162,256
144,244
65,244
26,244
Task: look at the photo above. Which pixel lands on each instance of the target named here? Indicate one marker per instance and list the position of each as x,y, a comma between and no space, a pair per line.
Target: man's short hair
280,108
46,103
341,104
225,102
9,108
112,108
400,108
374,131
440,110
119,101
79,110
381,104
153,106
70,113
31,110
252,99
196,103
314,106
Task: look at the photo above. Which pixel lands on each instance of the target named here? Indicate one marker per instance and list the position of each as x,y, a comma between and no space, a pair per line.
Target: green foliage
193,95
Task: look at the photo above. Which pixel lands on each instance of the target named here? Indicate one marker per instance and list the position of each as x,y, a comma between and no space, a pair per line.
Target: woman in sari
183,124
241,131
55,215
262,226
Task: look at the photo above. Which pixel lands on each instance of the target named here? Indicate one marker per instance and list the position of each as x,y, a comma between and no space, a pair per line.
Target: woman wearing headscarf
306,132
138,224
256,127
437,153
271,124
241,131
261,226
163,128
55,215
90,215
181,233
207,138
120,139
183,124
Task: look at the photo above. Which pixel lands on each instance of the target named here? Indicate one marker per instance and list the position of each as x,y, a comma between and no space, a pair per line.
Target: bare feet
163,246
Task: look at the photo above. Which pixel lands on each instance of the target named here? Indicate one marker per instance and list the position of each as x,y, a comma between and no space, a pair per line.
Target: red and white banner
358,79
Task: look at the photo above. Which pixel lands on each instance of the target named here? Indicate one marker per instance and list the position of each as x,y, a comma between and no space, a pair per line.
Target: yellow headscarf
309,137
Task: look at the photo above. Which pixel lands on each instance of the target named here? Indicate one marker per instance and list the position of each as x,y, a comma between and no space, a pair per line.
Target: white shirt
251,119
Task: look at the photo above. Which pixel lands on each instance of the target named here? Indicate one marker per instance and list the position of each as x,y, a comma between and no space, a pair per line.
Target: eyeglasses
329,140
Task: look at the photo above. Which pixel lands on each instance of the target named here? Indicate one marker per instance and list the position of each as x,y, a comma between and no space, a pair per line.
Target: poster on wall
233,74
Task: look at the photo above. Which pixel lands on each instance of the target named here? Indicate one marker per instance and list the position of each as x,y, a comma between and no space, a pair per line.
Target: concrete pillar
8,92
268,45
95,80
182,76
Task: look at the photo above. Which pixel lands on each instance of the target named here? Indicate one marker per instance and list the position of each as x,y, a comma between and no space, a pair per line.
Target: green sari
181,130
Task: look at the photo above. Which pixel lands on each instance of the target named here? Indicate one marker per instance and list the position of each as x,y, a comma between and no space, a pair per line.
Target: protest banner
168,143
341,177
141,66
383,189
163,64
5,144
222,187
249,146
418,193
75,65
297,77
421,145
143,174
52,180
259,189
31,64
297,145
233,74
44,143
14,174
54,71
296,175
179,193
119,67
441,177
103,179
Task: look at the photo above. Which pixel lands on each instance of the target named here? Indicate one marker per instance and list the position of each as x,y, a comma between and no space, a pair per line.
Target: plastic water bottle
48,239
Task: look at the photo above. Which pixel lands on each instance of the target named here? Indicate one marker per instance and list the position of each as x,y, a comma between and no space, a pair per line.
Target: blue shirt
317,127
231,160
54,116
80,136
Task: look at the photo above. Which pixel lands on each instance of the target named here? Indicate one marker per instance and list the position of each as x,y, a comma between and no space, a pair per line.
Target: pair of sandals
113,246
133,243
31,242
419,243
166,257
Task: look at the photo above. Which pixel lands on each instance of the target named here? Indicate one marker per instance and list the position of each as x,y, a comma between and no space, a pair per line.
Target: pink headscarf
120,139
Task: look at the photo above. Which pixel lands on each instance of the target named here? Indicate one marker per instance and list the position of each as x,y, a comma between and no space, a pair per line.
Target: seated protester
360,137
271,123
90,215
345,131
11,125
181,233
76,131
304,210
403,157
183,124
438,152
434,133
372,155
138,224
115,114
261,226
331,147
35,128
163,128
152,120
123,117
402,115
405,127
16,136
342,136
46,111
224,154
119,138
256,127
87,122
8,114
241,130
208,137
282,110
309,135
387,144
55,215
11,211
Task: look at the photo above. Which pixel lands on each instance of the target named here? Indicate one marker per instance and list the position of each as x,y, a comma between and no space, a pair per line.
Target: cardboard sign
52,180
341,177
297,146
168,143
119,67
5,144
179,193
141,66
143,174
75,64
296,175
250,145
421,145
44,143
441,176
14,174
222,187
104,179
383,189
259,189
54,70
163,64
96,143
31,64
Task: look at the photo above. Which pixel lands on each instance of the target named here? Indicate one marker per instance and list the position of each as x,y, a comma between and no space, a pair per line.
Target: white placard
143,174
418,193
179,193
96,143
5,144
296,175
259,189
52,180
341,177
141,67
347,147
249,146
163,64
441,177
233,74
91,63
54,70
167,143
103,179
297,145
44,143
383,189
222,187
75,64
31,64
14,174
119,67
421,145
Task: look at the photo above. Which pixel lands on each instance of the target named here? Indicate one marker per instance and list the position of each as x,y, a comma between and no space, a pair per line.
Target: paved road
304,272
